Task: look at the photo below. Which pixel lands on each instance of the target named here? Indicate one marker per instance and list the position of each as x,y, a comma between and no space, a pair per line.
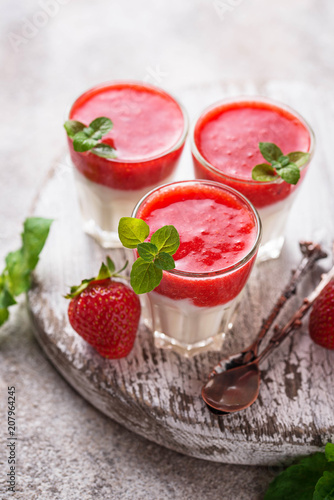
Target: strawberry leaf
329,452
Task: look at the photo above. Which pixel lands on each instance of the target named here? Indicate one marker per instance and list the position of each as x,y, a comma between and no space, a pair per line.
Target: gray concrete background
52,50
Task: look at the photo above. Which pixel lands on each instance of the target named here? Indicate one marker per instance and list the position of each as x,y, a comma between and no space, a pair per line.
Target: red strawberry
321,324
105,313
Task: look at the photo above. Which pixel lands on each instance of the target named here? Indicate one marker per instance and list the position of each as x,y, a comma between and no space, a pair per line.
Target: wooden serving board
156,393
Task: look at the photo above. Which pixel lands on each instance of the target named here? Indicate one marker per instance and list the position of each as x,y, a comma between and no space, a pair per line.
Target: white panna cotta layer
102,207
187,328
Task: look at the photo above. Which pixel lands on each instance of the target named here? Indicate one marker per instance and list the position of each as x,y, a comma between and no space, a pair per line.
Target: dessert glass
191,311
273,200
149,131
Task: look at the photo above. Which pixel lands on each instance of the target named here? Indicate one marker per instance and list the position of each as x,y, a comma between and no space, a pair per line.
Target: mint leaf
290,174
104,150
264,173
6,298
299,158
15,278
132,231
82,142
284,166
270,151
299,480
324,489
18,272
102,125
166,239
86,138
4,315
147,251
329,452
35,233
164,261
72,127
145,276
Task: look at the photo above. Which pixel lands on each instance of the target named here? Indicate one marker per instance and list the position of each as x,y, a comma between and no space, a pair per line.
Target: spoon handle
295,321
311,253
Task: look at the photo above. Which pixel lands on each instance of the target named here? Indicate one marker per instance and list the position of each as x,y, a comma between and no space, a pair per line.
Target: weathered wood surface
156,393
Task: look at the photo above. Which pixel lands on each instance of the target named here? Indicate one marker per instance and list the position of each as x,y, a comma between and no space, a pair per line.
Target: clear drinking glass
108,189
273,200
190,311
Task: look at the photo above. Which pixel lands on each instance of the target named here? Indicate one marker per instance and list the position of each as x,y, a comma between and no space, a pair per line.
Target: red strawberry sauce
227,137
218,228
147,134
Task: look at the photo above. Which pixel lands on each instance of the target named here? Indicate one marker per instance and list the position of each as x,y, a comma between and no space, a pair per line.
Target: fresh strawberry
105,313
321,324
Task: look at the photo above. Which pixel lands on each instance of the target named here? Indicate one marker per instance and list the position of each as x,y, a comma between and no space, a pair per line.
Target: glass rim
244,98
180,142
250,206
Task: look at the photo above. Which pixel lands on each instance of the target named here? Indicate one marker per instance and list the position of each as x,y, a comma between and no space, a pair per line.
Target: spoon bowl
232,390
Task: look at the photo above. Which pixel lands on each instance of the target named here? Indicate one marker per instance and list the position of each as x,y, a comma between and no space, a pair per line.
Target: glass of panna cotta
225,148
148,134
193,307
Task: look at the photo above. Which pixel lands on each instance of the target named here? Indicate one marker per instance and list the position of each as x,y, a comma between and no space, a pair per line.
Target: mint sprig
106,271
16,277
154,256
280,165
312,478
87,138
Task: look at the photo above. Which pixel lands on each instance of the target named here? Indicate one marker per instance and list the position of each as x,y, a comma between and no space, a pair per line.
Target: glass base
180,326
162,341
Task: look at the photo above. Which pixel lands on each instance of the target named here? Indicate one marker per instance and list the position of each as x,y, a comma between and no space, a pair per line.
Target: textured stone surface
67,449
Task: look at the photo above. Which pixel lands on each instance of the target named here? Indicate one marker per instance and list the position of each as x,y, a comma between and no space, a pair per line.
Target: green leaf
290,174
164,261
145,276
111,265
166,239
329,452
102,125
35,233
270,151
4,315
147,251
264,173
298,481
82,143
283,161
18,272
104,272
6,298
324,489
104,150
299,158
72,127
132,231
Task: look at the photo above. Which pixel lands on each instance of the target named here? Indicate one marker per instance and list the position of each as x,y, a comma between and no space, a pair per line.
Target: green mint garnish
16,277
312,478
154,256
87,138
106,271
280,165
